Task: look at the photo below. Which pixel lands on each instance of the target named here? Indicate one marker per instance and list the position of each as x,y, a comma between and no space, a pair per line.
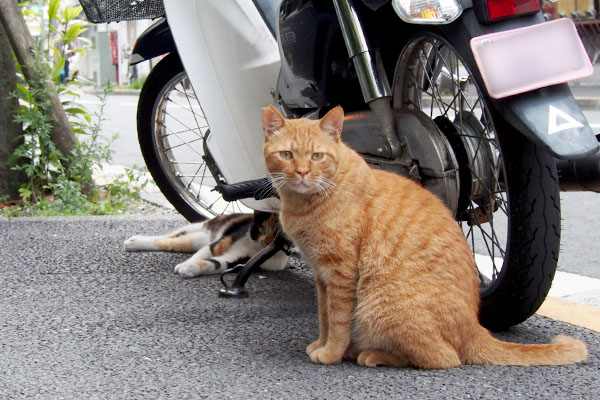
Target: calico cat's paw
139,243
190,269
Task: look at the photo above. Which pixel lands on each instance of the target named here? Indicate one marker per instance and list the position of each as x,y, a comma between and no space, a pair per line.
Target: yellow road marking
572,313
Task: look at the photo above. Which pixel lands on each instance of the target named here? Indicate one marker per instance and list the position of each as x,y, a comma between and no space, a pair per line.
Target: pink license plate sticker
524,59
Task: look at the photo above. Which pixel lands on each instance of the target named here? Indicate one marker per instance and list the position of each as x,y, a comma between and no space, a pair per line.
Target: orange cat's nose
302,172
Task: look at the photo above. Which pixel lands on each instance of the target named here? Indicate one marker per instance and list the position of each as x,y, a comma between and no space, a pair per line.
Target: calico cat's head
264,227
302,155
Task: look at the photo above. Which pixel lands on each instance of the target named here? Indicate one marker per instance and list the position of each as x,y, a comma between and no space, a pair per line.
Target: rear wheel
508,205
172,130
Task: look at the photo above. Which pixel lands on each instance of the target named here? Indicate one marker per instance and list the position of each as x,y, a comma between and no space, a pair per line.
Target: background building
111,46
108,59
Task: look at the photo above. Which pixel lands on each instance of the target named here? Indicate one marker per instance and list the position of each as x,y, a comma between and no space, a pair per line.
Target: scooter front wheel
172,129
508,204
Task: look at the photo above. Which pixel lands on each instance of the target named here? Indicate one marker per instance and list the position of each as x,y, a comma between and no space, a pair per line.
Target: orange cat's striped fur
396,280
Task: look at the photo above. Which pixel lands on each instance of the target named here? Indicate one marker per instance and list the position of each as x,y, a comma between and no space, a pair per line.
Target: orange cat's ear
272,121
332,123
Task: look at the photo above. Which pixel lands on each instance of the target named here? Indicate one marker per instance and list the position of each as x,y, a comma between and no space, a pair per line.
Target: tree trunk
23,45
10,130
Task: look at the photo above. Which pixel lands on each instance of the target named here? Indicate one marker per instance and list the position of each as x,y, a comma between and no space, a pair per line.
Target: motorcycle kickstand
244,270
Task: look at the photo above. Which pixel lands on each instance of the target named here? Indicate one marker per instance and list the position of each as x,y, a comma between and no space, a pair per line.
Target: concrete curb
588,103
156,198
151,193
118,92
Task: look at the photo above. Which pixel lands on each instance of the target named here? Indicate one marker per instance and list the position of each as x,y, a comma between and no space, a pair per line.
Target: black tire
509,198
533,234
171,131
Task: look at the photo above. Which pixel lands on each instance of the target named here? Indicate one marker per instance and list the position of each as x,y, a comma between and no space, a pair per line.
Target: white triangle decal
567,122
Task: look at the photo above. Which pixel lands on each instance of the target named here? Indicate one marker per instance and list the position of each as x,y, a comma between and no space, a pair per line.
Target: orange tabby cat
396,280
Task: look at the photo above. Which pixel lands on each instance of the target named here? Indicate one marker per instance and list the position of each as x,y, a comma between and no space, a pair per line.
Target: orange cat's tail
485,349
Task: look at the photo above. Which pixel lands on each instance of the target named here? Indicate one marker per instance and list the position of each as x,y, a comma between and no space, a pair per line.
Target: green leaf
80,132
23,92
70,13
57,70
72,93
25,193
86,41
55,51
75,110
74,31
53,9
73,51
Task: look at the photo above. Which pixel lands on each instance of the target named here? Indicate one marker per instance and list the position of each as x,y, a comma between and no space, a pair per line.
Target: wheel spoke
180,128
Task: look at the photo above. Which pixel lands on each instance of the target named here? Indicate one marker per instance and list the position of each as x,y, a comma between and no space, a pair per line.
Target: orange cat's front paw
313,346
325,356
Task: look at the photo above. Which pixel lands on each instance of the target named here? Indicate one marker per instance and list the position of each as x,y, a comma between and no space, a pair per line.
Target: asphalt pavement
82,319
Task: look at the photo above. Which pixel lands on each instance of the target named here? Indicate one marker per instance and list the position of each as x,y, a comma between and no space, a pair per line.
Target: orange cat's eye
317,156
286,155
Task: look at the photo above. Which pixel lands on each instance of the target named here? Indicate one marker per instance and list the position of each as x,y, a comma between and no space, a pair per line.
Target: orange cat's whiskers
267,189
326,186
321,190
329,183
278,180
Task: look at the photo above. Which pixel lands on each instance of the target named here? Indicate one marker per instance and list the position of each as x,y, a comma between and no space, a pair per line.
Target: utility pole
24,47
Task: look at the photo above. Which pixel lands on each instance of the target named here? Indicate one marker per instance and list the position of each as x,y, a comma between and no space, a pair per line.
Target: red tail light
498,9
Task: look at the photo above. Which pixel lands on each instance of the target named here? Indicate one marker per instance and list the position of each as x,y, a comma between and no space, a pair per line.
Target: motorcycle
467,97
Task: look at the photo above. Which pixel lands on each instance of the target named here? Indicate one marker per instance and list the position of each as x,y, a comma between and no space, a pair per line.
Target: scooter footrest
258,189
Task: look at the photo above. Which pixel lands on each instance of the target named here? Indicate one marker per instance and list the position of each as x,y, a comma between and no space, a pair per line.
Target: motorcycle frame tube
232,82
368,64
371,74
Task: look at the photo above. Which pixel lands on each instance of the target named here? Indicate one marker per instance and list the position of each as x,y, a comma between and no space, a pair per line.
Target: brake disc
476,159
430,149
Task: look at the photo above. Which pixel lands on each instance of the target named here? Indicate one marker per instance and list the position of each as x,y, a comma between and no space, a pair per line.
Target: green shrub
57,184
137,83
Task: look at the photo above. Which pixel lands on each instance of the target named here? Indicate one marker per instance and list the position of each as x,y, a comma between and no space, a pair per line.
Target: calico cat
396,280
218,244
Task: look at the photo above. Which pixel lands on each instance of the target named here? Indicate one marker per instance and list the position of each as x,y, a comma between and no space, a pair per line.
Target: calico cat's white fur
218,244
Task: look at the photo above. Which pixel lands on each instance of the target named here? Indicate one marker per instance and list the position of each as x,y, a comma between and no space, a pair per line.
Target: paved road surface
82,319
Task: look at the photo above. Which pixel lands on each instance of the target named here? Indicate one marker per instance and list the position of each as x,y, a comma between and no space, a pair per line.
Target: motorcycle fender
551,118
153,42
548,116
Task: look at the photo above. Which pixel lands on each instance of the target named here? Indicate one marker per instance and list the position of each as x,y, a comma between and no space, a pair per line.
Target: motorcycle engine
427,156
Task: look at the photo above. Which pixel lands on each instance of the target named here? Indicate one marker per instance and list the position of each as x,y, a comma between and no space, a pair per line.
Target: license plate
532,57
